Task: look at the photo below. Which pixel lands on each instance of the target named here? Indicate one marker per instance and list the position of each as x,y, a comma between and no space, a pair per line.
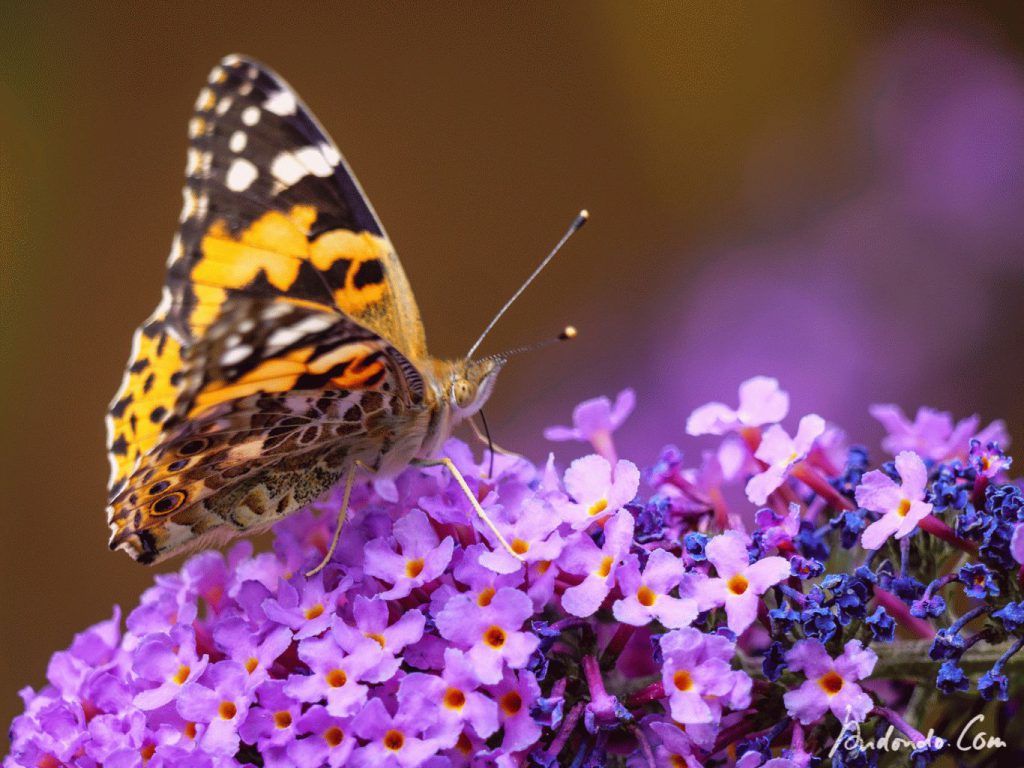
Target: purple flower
335,673
933,434
740,583
902,506
310,612
987,458
646,595
328,739
396,740
221,701
594,421
423,558
596,564
761,402
831,684
516,695
533,536
372,622
597,490
490,631
235,637
1017,543
780,453
272,725
698,677
168,662
451,697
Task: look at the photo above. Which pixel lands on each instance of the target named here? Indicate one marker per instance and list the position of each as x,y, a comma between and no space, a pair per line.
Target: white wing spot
205,100
281,103
282,337
287,168
236,355
314,160
251,115
241,175
238,140
245,89
224,105
330,154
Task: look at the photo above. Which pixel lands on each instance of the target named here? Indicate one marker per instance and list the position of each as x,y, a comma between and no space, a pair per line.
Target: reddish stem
810,477
939,529
901,613
652,692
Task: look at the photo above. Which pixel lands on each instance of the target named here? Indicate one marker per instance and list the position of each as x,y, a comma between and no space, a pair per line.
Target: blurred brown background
829,193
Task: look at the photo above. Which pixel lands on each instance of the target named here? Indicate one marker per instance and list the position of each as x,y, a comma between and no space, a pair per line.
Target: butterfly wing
271,385
271,211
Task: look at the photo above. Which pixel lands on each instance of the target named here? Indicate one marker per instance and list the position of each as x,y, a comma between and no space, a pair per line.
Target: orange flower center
682,680
511,703
227,710
251,664
485,596
494,637
375,636
738,584
519,546
598,507
645,596
147,752
190,730
337,678
314,612
414,568
464,745
677,762
831,683
282,719
182,674
394,740
606,566
903,508
334,736
454,699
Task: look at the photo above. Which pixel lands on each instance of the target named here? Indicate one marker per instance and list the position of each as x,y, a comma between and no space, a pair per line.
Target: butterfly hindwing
271,212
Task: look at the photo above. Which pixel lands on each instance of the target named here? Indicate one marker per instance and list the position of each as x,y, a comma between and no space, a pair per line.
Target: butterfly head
470,384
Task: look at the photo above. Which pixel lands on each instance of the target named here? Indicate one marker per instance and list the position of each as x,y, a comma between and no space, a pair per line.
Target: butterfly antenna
579,221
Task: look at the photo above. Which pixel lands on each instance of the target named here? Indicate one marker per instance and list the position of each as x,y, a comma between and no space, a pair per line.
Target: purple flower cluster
649,619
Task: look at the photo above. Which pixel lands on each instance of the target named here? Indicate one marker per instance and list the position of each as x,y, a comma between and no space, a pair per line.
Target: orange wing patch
145,400
275,246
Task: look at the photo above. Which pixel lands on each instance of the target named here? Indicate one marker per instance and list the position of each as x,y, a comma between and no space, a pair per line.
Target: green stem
908,660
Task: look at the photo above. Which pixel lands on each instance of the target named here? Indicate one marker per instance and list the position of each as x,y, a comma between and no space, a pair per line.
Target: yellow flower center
282,719
454,699
336,678
682,680
903,508
394,740
485,596
375,636
738,584
227,710
598,507
494,637
511,703
182,674
605,567
334,736
519,546
646,597
413,568
251,663
831,682
314,612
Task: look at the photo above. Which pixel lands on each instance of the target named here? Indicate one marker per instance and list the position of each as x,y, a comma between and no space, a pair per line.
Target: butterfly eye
463,392
192,447
168,503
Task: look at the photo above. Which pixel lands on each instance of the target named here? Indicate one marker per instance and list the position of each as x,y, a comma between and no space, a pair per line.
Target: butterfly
287,349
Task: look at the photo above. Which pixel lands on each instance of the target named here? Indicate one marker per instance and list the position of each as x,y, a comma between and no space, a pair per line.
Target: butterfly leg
445,461
342,514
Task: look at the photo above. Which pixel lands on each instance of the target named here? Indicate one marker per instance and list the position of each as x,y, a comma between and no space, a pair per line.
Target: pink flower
740,583
761,402
596,490
902,506
831,684
780,452
645,595
423,556
1017,544
933,434
698,676
598,565
593,421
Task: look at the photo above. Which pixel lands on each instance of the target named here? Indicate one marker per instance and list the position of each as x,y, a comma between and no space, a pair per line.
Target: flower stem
899,611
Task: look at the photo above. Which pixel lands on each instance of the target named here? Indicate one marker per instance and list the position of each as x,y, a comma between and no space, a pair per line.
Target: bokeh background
826,192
